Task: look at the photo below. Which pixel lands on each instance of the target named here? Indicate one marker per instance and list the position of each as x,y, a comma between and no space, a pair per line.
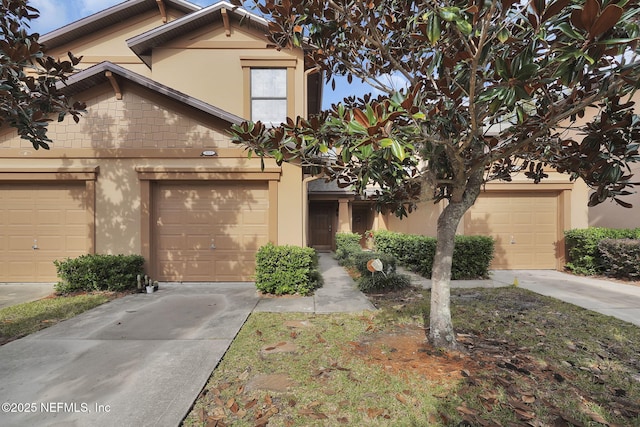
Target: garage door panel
188,215
524,225
51,215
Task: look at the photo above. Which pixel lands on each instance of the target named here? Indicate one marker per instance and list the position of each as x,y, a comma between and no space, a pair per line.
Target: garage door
209,231
38,224
525,226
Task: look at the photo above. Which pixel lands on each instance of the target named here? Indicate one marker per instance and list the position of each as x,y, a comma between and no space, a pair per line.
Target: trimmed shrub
346,245
621,257
287,269
472,255
583,255
360,259
88,273
409,249
378,282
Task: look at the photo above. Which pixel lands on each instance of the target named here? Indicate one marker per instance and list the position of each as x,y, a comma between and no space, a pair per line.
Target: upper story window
269,95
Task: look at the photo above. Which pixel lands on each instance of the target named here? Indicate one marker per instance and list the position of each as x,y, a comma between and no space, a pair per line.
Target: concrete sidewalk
617,299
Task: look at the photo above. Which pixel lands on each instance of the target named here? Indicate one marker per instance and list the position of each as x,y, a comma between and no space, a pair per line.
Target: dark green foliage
287,270
472,255
346,245
360,259
583,255
621,257
96,272
378,282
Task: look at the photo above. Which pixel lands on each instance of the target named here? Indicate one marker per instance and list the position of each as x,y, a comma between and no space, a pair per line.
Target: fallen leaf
466,410
343,420
374,412
250,404
528,398
401,398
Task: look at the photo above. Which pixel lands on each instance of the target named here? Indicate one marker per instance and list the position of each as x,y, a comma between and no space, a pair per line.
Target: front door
321,225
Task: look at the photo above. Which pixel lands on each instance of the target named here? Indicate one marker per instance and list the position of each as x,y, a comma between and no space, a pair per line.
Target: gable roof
107,17
142,44
97,74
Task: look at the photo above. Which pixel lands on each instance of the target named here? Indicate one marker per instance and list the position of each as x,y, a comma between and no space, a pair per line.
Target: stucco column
344,220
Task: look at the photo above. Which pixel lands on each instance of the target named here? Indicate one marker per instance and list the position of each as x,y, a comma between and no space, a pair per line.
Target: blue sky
56,13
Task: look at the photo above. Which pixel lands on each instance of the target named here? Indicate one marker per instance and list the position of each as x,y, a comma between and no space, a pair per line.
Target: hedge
95,272
349,253
621,257
583,255
472,255
287,269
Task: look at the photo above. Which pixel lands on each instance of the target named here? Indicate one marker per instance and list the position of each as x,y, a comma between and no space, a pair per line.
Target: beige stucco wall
422,221
110,44
120,136
215,72
610,214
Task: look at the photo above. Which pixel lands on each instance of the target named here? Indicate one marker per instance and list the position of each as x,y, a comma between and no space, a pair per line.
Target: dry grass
529,361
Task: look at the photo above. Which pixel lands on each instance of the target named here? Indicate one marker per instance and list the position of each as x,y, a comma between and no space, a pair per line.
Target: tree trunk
441,333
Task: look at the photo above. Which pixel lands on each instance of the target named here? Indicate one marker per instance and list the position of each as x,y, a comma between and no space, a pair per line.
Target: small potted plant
148,284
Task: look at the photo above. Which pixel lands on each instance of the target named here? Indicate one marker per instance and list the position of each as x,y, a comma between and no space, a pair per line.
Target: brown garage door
38,224
525,226
209,231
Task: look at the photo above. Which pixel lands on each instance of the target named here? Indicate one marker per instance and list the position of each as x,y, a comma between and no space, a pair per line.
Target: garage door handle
212,245
35,244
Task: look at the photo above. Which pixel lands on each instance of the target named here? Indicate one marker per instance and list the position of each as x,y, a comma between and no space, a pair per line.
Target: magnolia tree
493,88
29,79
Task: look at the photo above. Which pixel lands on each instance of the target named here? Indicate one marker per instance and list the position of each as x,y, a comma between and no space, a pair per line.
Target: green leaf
433,29
398,151
386,142
503,35
527,71
419,116
464,27
569,31
450,13
323,148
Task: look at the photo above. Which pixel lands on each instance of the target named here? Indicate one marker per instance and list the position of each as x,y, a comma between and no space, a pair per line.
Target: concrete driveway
16,293
140,360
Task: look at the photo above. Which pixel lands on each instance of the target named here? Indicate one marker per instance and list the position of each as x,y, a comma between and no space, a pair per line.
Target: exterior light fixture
208,153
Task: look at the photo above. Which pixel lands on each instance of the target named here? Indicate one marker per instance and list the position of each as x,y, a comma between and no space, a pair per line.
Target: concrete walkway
617,299
338,294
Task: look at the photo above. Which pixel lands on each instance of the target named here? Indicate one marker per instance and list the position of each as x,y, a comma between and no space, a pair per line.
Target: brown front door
321,225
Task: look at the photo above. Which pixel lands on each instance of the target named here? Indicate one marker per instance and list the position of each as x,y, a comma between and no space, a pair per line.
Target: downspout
307,180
